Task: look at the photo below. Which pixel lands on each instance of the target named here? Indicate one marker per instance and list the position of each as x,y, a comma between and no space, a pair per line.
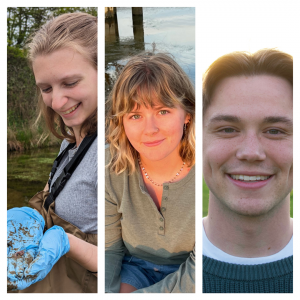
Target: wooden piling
137,11
110,12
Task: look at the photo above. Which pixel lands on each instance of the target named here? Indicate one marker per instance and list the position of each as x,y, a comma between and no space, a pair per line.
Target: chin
252,207
73,124
155,155
251,212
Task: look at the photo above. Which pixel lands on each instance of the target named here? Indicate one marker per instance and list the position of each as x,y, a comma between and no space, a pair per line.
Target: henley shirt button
161,228
161,219
163,209
165,198
166,187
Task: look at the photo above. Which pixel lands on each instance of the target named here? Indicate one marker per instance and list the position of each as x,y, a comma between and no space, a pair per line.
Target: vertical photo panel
52,164
150,150
247,92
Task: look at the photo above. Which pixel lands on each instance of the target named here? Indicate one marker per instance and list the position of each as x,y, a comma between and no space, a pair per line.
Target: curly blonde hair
77,31
147,77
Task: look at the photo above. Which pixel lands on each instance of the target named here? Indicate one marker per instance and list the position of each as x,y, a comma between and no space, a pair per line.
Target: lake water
27,174
171,29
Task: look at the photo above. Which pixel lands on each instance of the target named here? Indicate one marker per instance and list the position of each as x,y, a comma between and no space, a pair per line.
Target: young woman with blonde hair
58,250
150,178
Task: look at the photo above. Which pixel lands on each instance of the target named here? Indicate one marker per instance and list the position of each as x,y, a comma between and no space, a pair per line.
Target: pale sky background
235,25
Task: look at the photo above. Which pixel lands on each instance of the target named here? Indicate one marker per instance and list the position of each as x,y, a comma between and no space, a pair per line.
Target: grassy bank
22,106
29,136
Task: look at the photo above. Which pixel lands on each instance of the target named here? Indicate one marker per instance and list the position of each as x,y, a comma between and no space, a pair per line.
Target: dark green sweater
221,277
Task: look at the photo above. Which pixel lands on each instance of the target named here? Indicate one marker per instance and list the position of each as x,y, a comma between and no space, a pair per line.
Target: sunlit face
68,83
248,132
155,132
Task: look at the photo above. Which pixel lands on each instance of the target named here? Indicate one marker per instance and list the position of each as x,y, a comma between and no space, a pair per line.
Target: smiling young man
248,168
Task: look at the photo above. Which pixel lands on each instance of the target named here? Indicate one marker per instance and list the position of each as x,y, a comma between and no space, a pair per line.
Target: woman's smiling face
68,84
155,132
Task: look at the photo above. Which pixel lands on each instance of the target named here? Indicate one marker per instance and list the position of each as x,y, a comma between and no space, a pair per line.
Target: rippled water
172,30
27,174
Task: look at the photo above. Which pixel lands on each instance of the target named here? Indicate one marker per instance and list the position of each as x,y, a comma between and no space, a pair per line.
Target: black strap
57,162
68,170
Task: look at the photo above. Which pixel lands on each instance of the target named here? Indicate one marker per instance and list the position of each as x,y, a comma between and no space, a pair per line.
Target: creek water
162,29
27,174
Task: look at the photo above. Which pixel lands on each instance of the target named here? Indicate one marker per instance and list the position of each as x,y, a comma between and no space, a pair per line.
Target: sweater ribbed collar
248,272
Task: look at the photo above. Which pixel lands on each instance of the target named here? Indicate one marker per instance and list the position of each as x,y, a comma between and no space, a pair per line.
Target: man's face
248,143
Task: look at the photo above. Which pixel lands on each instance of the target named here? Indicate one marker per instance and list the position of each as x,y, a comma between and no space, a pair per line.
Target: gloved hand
53,245
25,228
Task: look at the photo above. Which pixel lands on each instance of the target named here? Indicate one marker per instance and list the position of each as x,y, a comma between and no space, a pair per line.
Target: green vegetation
291,208
205,201
22,105
22,21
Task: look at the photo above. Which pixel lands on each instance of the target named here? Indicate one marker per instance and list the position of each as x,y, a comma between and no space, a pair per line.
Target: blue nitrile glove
25,228
53,245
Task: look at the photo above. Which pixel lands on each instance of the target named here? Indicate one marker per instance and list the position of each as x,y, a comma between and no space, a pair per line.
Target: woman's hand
25,228
53,246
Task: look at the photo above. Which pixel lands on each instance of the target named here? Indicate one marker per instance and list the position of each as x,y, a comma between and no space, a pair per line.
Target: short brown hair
263,62
146,77
77,31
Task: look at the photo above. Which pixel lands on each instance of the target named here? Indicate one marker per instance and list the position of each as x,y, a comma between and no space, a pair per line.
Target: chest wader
66,276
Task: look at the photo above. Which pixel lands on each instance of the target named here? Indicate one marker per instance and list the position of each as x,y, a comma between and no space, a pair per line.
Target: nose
251,148
58,100
151,127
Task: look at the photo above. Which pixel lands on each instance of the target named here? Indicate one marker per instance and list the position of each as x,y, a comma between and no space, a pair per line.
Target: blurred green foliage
22,21
21,104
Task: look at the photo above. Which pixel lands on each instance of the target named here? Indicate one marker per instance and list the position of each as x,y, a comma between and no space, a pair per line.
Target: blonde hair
145,78
263,62
77,31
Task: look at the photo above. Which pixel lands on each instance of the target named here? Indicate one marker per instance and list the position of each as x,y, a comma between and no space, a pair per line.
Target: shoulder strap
68,170
57,162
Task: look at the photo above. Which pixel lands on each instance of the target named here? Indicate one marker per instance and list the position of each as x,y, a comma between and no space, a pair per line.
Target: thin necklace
152,181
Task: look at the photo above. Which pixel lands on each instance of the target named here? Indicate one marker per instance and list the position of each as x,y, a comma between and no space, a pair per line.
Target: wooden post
138,27
111,24
110,12
137,11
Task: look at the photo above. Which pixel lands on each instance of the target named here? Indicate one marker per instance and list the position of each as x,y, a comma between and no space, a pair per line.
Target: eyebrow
134,111
278,119
63,78
226,118
156,107
266,120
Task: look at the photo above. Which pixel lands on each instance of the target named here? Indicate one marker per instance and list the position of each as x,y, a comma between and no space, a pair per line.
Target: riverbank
22,131
28,137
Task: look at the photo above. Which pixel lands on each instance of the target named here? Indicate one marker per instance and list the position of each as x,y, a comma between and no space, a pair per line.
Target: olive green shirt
134,226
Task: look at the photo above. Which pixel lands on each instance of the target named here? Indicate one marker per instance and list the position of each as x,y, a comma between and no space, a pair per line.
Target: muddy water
162,29
27,173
